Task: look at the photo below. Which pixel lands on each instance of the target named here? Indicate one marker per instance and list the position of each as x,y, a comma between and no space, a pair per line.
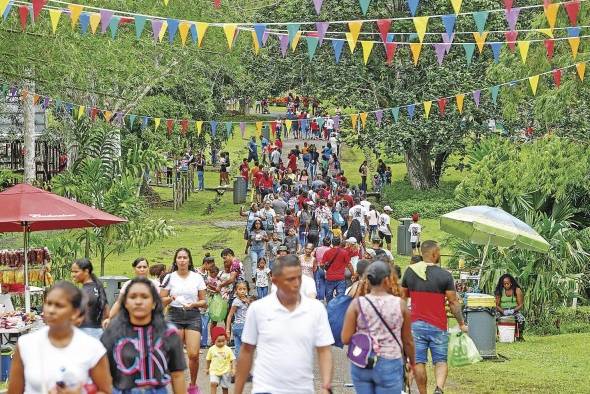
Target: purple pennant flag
336,122
156,27
265,37
45,103
476,96
448,40
119,118
105,19
12,91
322,28
440,49
284,42
318,5
511,17
243,129
379,116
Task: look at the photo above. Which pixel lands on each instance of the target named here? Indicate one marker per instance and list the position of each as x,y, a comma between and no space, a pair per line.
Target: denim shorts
387,376
426,336
149,390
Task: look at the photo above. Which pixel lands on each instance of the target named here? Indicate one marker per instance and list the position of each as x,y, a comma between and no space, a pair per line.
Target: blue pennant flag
495,90
413,6
84,22
395,113
228,128
194,35
496,47
390,37
213,124
172,29
69,108
480,18
411,110
7,10
259,28
139,25
449,23
337,46
145,122
573,31
469,49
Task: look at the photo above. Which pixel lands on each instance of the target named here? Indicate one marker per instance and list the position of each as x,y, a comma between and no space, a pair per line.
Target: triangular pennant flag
447,40
395,113
259,29
523,48
460,98
114,25
23,12
183,29
581,69
296,40
81,110
573,31
284,43
364,6
511,16
288,123
156,27
363,117
574,45
390,51
354,121
449,23
228,128
508,4
551,13
199,126
350,41
201,29
243,129
411,110
93,113
54,16
266,34
496,47
480,40
6,7
321,28
469,48
337,47
420,24
94,22
183,126
107,115
259,128
105,19
573,9
36,99
534,82
139,25
367,48
169,125
456,5
355,29
230,31
37,7
75,12
413,6
556,77
144,122
292,29
415,48
255,43
442,105
427,106
194,35
511,39
440,50
379,116
84,22
312,44
476,97
384,25
173,25
318,5
548,32
480,18
163,31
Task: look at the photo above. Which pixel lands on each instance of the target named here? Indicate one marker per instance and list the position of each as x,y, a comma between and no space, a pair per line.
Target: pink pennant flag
511,17
318,5
572,8
556,76
379,116
511,39
284,43
440,49
265,36
383,25
243,129
549,46
448,40
321,28
508,4
105,19
476,97
390,48
442,105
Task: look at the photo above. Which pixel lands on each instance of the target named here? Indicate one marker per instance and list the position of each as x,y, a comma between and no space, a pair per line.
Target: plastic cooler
506,329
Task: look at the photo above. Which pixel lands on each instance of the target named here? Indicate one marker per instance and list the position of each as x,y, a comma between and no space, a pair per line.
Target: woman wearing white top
184,291
59,358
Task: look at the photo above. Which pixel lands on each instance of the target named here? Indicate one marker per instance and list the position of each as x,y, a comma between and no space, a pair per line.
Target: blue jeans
255,254
237,329
338,285
386,377
204,329
161,390
320,283
262,292
325,231
302,236
426,336
201,178
313,169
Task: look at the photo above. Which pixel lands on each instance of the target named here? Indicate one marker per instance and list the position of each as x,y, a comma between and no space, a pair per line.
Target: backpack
337,308
337,218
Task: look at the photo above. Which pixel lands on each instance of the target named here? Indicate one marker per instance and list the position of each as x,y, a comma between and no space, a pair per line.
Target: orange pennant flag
415,48
480,40
354,120
460,98
551,14
75,12
363,116
581,69
184,28
574,45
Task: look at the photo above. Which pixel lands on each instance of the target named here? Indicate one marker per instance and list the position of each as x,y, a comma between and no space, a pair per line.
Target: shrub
429,203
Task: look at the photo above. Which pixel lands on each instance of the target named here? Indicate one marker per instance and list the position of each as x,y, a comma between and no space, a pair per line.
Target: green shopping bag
217,308
462,350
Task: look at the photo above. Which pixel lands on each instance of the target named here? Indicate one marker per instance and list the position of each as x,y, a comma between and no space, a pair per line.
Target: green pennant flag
469,48
292,28
480,18
495,90
312,45
364,6
228,129
395,113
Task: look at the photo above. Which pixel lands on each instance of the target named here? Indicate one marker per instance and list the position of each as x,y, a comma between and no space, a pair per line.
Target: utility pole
28,106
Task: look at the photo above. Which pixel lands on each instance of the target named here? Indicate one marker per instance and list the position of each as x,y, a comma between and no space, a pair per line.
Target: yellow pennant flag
295,41
547,32
551,13
163,31
574,45
3,5
460,98
355,30
230,31
81,110
415,48
54,17
534,82
367,48
581,69
363,117
107,115
259,128
523,48
94,21
199,126
480,40
255,43
354,120
183,29
156,123
350,41
427,106
420,23
201,29
288,123
456,5
166,2
75,11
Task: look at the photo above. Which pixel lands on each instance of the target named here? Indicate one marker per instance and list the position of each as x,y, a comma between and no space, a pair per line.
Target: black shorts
386,237
415,245
185,319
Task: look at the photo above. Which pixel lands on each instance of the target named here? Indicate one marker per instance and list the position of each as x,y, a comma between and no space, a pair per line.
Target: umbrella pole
483,260
26,253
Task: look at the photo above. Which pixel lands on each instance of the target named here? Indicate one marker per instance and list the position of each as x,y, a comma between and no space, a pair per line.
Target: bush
563,321
430,204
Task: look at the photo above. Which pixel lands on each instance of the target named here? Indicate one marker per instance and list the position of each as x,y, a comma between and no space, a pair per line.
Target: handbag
360,349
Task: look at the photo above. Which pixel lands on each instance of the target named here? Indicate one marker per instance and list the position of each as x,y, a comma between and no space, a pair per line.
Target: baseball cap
387,208
352,240
283,248
377,271
216,332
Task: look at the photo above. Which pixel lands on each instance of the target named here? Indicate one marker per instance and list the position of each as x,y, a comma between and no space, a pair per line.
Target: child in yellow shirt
336,231
220,361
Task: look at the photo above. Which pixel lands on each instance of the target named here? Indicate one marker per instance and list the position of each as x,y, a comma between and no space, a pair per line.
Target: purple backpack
360,348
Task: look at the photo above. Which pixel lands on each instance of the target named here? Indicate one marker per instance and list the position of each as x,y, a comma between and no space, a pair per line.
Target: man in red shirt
245,170
335,262
266,184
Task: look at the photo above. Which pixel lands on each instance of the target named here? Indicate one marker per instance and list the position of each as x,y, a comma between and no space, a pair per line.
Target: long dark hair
85,264
139,260
513,284
355,230
174,267
122,322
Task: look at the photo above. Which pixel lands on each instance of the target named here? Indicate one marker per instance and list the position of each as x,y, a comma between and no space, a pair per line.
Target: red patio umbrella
24,208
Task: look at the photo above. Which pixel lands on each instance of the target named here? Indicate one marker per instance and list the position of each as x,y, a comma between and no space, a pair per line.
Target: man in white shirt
384,226
285,323
275,157
415,230
359,212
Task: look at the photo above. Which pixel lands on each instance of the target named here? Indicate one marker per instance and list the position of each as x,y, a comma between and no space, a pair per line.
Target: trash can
112,286
266,131
240,190
404,247
6,353
482,329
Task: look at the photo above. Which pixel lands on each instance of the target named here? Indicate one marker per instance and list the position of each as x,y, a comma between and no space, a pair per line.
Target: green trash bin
404,248
240,190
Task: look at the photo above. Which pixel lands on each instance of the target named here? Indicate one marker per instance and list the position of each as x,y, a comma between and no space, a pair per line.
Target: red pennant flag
93,113
37,7
384,25
23,12
216,3
511,39
442,105
572,8
184,126
549,45
508,4
557,77
169,125
390,51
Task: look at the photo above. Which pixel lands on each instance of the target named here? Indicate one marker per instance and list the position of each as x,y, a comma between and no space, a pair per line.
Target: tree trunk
29,133
439,162
419,168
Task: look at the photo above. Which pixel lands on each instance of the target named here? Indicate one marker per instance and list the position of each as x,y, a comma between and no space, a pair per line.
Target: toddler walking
220,362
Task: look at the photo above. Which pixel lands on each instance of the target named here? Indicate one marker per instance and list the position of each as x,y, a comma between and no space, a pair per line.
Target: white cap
387,208
351,240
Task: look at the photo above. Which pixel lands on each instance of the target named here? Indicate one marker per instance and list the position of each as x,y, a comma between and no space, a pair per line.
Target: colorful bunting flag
156,28
460,98
84,22
337,47
259,29
420,24
480,40
363,117
511,16
37,7
549,45
427,106
94,22
413,6
449,23
354,121
228,129
547,32
440,50
556,77
139,25
480,18
243,129
395,113
213,125
5,6
312,44
581,69
75,12
81,110
367,48
379,116
23,12
496,47
183,29
384,25
551,13
295,41
201,29
456,5
354,27
523,48
476,97
534,82
288,124
230,32
318,5
199,126
415,48
284,43
255,43
292,29
573,9
574,45
194,35
508,4
411,110
364,6
390,51
105,20
321,28
442,105
54,16
173,25
132,120
469,48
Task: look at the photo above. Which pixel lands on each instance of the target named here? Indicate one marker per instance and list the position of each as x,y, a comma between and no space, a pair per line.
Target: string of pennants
357,120
110,20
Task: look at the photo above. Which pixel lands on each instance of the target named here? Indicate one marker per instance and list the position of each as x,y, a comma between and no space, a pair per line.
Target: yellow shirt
336,232
221,359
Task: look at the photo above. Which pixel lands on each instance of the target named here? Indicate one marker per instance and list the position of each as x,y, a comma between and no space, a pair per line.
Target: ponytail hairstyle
86,265
174,267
